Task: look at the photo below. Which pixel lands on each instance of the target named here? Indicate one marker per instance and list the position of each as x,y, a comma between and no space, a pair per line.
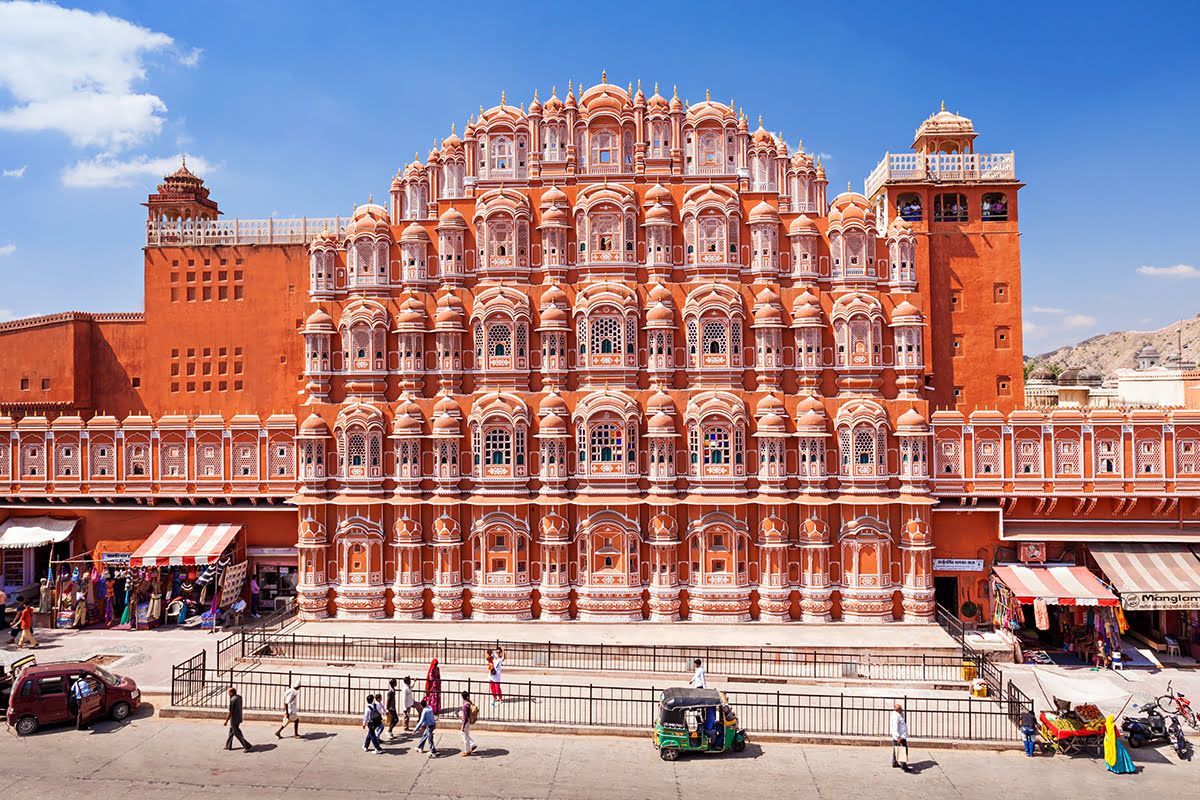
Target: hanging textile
1122,625
1041,614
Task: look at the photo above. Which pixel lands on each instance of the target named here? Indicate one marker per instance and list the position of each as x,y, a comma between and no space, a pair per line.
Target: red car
40,695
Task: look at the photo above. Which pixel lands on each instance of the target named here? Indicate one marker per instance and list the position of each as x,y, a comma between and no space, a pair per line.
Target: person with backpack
373,722
470,714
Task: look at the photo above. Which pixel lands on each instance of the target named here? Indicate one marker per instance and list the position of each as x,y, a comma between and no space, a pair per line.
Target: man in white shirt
899,731
291,711
698,681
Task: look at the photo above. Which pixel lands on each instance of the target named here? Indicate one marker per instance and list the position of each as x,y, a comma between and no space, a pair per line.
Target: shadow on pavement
920,766
312,737
489,752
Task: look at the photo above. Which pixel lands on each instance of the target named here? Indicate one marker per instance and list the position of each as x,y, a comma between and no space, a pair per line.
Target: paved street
151,758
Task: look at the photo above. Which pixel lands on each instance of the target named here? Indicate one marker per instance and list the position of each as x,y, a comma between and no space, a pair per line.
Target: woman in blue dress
1115,754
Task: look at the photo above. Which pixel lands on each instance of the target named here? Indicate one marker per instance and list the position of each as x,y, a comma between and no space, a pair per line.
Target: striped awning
1057,584
175,545
1151,576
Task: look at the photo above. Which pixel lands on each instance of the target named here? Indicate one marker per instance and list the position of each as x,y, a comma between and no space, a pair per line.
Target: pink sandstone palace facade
610,357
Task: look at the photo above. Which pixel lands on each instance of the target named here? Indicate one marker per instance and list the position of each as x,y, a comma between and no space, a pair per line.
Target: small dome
318,322
661,403
554,295
659,215
661,423
899,226
553,314
906,312
553,424
555,217
1090,377
811,403
803,225
414,233
314,426
659,293
657,102
1040,375
446,405
770,404
810,422
762,137
806,310
659,312
553,404
1069,376
911,419
764,213
451,218
445,425
405,425
412,313
772,423
554,196
659,194
770,314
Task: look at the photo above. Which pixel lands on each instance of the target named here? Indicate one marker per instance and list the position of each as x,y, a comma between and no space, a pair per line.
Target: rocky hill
1109,351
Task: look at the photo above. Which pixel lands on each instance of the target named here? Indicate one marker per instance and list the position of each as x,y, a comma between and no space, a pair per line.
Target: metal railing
163,232
941,167
578,705
745,662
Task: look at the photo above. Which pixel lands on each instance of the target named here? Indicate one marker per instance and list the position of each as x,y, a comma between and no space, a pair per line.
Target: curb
183,712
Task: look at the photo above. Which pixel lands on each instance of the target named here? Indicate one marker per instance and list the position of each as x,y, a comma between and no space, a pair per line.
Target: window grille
1149,457
245,461
1108,458
1029,457
1066,460
715,334
172,458
987,457
208,459
949,459
1187,456
66,459
605,336
497,446
607,443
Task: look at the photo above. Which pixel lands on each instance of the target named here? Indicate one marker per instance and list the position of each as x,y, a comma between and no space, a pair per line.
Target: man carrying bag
899,730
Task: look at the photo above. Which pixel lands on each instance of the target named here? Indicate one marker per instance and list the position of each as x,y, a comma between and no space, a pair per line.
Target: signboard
958,564
1152,601
121,559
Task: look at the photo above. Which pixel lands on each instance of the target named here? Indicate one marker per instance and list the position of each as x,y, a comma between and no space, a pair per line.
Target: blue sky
293,109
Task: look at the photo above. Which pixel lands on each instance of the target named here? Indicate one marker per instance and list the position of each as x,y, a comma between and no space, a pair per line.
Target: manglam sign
1156,601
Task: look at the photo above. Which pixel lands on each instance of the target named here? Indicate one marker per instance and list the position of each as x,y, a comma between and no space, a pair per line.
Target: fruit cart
1071,730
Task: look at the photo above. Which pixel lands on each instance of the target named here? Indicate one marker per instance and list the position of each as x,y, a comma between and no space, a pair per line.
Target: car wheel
669,753
26,725
739,745
120,712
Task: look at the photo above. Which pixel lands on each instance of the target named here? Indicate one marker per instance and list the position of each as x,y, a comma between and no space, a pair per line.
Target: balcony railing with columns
167,233
941,167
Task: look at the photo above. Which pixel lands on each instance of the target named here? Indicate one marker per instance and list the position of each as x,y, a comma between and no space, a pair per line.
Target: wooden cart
1072,730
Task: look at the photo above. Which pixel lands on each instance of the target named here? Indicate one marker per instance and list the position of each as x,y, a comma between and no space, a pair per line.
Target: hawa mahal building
610,357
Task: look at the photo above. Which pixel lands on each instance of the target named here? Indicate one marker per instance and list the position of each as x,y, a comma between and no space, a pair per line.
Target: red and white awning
176,545
1057,584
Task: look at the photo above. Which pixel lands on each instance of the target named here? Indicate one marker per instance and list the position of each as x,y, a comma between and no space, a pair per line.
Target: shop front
1159,589
28,545
181,571
276,570
1056,613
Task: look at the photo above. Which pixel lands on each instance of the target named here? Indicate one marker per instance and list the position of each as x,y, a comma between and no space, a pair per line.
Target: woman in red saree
433,688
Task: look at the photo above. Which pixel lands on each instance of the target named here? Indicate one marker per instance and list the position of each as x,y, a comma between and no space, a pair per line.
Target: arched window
995,207
502,156
607,443
497,446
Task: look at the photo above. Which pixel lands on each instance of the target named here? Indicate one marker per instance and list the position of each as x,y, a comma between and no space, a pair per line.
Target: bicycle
1176,703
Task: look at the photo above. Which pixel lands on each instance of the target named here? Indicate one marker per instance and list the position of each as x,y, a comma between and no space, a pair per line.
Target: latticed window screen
716,445
356,451
694,447
172,458
103,458
630,335
1028,457
1149,457
66,459
1066,458
4,460
1108,458
33,460
607,443
478,341
208,459
715,337
522,339
693,337
499,340
987,457
949,458
245,461
605,336
864,451
497,446
1187,456
376,447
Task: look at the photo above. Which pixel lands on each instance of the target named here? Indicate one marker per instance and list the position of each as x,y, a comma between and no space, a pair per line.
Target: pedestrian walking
495,665
899,731
25,625
426,723
433,687
373,723
698,680
1028,728
234,720
3,608
470,714
291,711
254,597
392,716
16,620
1115,755
407,700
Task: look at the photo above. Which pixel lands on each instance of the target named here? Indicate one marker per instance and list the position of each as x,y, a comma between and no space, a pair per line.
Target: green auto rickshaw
696,720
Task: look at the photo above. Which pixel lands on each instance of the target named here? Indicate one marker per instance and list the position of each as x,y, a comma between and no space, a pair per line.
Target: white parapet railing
166,233
941,167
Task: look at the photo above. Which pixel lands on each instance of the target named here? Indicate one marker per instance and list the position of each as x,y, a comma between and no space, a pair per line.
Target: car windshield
106,676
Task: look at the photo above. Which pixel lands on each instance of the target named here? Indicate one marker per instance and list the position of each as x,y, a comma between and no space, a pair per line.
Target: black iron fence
590,705
744,662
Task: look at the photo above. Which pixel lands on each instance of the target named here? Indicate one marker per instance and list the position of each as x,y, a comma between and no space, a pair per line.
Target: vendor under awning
1151,576
179,545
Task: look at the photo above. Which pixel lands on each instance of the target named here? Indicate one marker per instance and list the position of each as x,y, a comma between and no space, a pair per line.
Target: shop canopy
176,545
1057,584
22,532
1151,576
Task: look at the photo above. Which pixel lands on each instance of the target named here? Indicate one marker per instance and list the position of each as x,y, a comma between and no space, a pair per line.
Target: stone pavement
151,758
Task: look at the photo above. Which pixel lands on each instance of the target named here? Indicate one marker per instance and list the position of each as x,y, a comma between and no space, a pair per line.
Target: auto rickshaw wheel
26,726
669,753
120,712
739,745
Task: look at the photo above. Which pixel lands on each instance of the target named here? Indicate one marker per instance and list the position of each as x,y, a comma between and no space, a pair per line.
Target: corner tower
962,205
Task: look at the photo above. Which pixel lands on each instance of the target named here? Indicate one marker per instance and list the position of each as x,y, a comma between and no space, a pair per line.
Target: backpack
375,720
472,713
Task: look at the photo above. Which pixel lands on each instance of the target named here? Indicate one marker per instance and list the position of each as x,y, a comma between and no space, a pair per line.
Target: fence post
778,728
760,661
349,693
589,704
445,648
530,701
842,714
343,647
602,656
654,658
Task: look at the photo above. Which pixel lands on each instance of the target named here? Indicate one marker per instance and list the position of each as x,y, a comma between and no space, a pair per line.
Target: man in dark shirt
234,720
1028,728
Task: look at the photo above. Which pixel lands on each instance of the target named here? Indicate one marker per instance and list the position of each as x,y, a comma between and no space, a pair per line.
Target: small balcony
941,167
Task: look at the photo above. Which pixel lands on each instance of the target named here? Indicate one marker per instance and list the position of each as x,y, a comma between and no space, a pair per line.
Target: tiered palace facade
608,358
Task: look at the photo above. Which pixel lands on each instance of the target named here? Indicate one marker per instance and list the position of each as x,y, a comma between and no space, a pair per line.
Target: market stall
1158,585
27,545
182,570
1056,612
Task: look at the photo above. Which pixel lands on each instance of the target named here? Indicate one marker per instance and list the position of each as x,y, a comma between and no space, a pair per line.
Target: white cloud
1079,321
1029,328
73,72
106,170
1048,310
7,249
1177,271
6,314
19,172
